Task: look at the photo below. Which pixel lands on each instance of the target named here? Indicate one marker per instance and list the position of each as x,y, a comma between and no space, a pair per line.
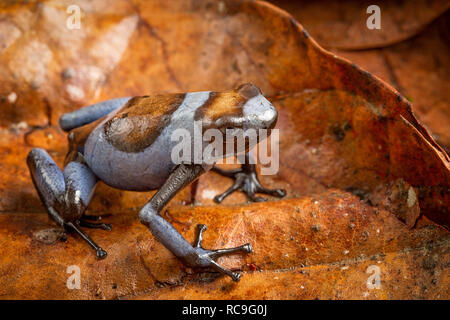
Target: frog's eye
248,90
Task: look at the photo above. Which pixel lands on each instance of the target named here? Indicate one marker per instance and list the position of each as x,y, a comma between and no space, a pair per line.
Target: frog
126,143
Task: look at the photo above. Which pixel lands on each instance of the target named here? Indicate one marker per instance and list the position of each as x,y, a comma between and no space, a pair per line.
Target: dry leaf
342,24
344,136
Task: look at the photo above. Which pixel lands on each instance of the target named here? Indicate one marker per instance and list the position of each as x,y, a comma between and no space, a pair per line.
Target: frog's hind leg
65,194
80,117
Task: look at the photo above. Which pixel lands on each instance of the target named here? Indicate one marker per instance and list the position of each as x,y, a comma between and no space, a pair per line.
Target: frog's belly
141,171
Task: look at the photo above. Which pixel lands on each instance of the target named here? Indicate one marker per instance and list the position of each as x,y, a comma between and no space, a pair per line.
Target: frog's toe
90,218
91,225
101,254
208,257
233,275
74,226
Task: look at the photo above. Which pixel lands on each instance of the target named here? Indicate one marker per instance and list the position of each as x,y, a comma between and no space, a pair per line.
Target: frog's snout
268,119
260,113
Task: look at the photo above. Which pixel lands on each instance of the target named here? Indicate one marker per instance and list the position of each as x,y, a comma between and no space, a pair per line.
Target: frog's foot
206,258
73,226
246,180
90,218
85,223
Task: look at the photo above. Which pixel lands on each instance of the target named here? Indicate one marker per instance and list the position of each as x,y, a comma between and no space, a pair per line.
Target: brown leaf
342,24
342,131
419,69
393,197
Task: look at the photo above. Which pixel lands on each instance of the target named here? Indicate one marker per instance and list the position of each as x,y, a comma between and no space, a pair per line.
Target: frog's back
131,148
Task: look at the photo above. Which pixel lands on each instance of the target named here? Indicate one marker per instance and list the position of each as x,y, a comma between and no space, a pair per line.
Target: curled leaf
343,134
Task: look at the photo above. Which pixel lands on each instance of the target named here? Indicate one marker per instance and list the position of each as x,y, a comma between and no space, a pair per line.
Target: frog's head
257,111
243,110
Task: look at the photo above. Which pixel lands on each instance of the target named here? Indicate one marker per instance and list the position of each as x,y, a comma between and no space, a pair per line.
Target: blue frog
126,143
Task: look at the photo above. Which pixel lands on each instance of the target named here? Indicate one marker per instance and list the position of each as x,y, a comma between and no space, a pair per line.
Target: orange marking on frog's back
223,105
140,121
219,105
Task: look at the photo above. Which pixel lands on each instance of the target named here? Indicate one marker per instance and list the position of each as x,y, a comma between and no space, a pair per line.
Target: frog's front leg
65,194
193,256
246,180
